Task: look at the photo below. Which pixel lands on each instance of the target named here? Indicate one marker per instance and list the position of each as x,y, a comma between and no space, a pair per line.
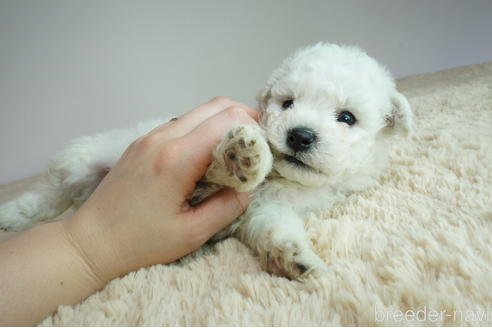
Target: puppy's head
327,111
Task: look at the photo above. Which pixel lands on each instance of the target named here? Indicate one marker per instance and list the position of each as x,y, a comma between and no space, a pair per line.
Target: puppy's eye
346,117
288,104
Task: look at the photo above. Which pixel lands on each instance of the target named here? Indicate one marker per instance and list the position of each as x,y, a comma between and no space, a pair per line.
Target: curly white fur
322,80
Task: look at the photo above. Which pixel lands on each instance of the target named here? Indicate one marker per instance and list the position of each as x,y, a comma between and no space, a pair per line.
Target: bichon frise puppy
327,114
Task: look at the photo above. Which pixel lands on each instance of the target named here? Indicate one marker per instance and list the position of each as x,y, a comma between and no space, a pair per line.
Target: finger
180,126
195,117
217,212
199,144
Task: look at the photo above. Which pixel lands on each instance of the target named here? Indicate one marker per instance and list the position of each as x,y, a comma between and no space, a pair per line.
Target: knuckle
239,115
221,100
135,143
145,142
236,113
166,158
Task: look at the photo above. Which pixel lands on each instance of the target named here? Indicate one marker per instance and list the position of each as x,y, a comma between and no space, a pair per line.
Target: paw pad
231,156
301,267
246,161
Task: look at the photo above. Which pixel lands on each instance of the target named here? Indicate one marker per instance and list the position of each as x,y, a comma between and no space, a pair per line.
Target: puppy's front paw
243,159
295,261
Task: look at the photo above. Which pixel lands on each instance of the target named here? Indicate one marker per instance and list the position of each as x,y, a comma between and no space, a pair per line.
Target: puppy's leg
71,177
242,160
45,200
277,235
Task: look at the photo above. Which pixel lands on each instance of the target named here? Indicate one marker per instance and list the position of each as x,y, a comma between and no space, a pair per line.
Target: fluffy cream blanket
416,249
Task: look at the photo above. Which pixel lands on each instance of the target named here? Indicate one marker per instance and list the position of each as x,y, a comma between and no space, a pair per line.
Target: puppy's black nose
300,139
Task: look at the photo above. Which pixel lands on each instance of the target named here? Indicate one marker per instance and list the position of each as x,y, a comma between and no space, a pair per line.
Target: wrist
92,248
42,269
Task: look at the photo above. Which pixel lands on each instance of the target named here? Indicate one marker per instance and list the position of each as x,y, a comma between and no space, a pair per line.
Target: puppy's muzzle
301,139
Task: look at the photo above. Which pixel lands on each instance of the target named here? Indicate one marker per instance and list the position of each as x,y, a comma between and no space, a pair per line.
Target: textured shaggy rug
416,249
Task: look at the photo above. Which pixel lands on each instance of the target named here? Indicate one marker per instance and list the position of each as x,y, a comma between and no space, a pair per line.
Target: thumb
219,211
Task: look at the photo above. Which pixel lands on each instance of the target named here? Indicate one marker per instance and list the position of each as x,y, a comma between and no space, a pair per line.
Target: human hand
138,215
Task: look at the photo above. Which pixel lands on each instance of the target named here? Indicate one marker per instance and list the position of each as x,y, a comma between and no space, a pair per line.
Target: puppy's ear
264,95
400,118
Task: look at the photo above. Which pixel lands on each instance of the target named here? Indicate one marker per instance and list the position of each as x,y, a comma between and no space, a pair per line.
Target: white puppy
328,111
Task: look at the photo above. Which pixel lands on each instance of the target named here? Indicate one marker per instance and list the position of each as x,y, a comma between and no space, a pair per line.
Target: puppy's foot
294,261
12,218
242,160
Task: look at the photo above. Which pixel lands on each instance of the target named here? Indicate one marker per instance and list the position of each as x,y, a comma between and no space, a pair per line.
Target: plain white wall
69,68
